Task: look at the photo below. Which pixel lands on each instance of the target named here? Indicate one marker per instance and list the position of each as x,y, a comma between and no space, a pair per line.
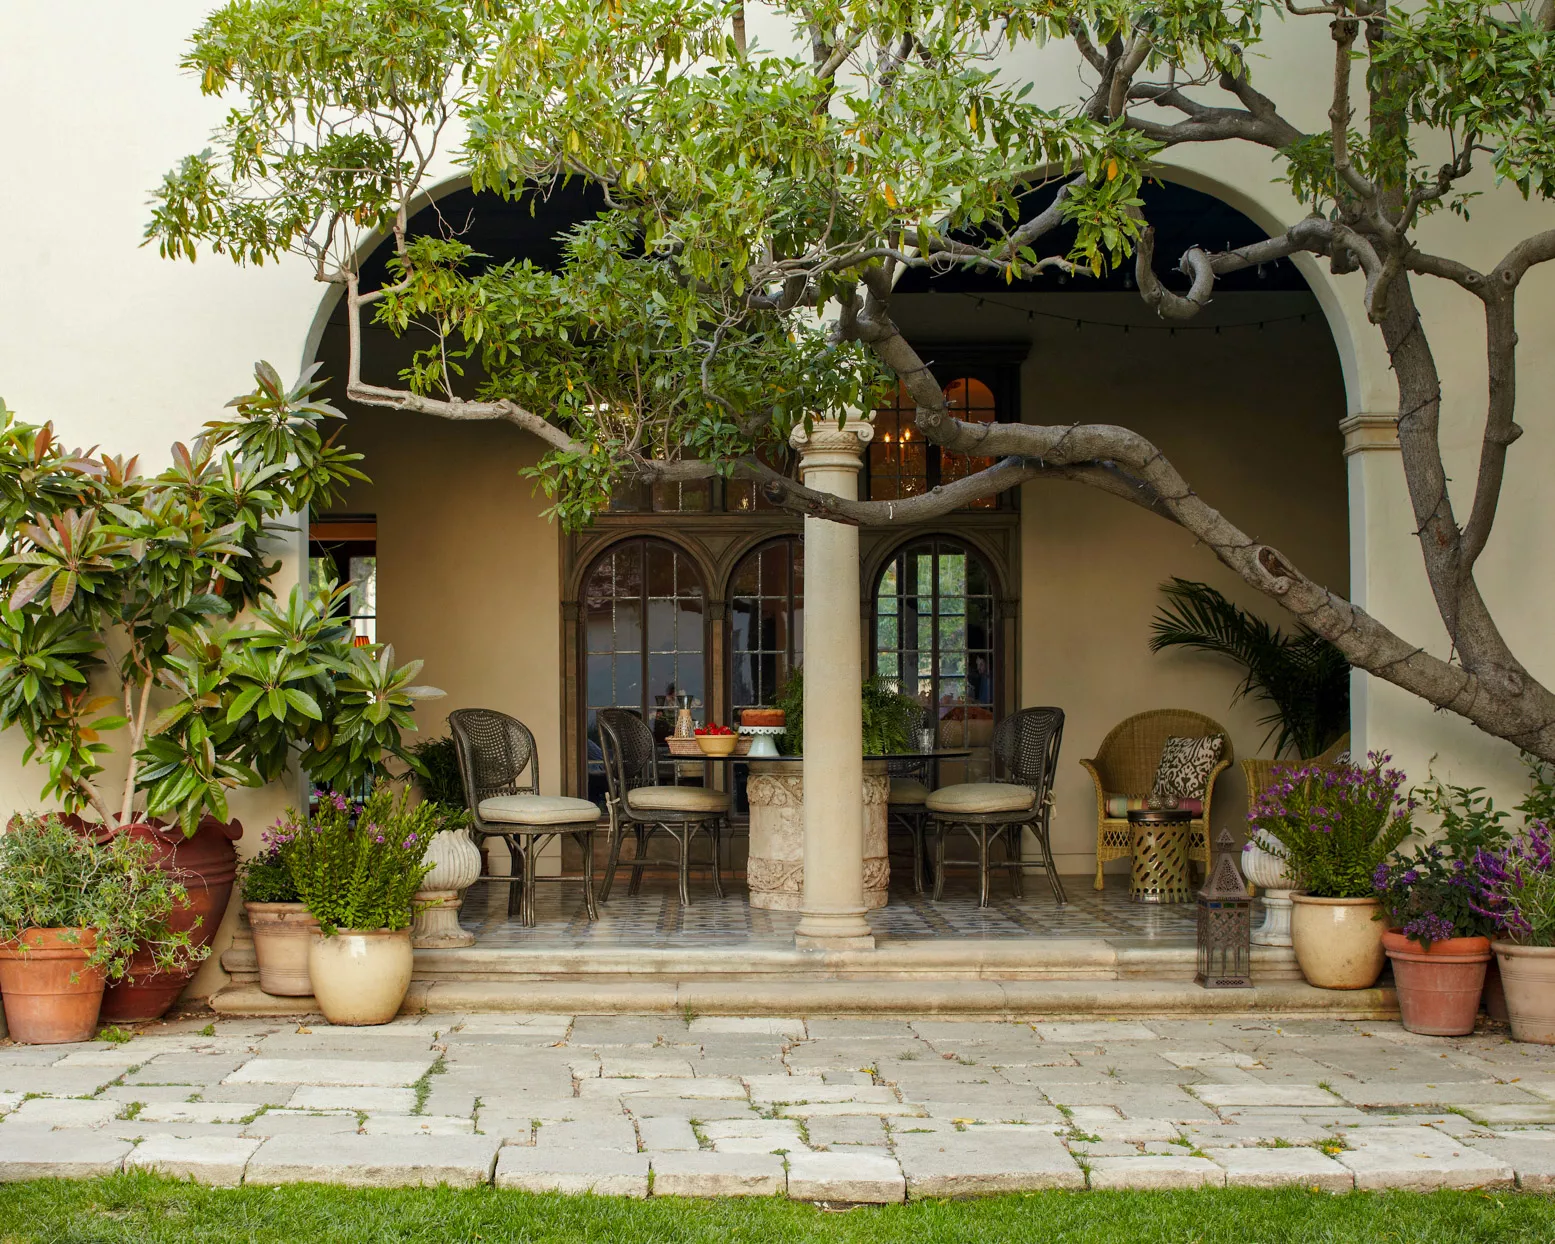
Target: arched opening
766,622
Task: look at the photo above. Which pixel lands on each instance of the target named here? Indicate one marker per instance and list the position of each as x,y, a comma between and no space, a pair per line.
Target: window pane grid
766,611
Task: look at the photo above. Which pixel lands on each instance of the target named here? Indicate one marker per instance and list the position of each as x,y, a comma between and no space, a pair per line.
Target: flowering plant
358,867
1334,824
265,878
1516,887
1429,895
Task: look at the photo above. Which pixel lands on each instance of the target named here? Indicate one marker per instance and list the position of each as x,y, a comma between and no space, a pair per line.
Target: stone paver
824,1110
205,1159
718,1174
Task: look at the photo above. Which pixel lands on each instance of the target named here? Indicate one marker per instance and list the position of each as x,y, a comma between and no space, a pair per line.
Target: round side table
1160,855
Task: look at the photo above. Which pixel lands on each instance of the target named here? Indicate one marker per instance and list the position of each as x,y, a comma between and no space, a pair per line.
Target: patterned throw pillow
1186,765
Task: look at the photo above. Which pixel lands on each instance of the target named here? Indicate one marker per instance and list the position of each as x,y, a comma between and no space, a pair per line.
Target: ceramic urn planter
283,932
456,863
1438,986
360,976
1528,978
1269,873
1337,941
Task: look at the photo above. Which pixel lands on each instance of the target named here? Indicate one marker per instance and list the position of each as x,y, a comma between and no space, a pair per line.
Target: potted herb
1516,892
74,912
135,583
283,927
358,870
1438,942
1334,825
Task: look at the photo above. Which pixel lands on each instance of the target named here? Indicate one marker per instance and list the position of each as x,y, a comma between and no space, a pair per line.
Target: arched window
935,635
644,638
766,622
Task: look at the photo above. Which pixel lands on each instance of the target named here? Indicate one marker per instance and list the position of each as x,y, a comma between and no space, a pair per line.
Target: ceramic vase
43,1004
282,934
1337,941
1269,873
1438,986
456,863
1528,979
360,976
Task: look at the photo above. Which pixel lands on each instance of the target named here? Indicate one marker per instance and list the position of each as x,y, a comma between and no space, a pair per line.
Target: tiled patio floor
655,917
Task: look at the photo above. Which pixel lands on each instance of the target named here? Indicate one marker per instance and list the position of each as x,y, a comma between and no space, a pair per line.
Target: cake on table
762,717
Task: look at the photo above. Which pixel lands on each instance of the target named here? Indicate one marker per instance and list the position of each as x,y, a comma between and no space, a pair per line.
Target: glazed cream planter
283,933
1528,978
1337,942
360,976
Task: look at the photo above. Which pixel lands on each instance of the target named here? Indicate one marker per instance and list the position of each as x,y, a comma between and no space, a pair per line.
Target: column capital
1369,431
831,444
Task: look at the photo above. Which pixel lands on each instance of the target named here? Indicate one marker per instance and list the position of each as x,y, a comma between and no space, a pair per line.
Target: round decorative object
717,744
282,934
1338,944
456,863
1439,987
361,976
1160,846
761,739
1269,872
1528,977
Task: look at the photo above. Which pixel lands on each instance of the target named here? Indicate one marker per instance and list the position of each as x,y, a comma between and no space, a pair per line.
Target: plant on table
74,911
887,716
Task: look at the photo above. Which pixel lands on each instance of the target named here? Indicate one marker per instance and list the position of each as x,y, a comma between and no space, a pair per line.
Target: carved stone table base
775,872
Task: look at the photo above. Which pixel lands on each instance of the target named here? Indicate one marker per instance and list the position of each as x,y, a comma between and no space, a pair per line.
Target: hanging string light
1171,329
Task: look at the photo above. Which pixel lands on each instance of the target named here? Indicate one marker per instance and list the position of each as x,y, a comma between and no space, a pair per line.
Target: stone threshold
990,999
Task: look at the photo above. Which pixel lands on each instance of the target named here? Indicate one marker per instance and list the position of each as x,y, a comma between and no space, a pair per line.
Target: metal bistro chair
905,804
637,803
1025,747
494,751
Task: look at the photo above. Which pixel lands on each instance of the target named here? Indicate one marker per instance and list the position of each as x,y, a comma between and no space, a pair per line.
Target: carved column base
774,873
1275,929
437,926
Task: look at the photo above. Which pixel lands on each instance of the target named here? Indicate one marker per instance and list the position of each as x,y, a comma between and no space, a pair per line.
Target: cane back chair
638,804
1025,751
495,752
1125,765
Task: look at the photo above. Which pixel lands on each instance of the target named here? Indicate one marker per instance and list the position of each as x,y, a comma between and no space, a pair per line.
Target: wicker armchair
1125,764
1260,772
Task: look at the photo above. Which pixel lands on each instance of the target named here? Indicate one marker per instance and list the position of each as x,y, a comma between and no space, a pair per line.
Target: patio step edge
1007,999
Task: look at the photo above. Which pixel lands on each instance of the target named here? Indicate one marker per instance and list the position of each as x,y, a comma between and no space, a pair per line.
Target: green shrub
266,879
53,877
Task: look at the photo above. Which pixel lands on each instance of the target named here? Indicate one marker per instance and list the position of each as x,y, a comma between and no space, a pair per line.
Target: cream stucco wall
121,348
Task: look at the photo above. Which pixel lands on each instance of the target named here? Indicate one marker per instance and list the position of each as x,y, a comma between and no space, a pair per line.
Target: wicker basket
689,747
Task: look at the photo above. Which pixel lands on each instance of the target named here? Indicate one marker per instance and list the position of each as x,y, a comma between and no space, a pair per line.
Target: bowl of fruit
716,740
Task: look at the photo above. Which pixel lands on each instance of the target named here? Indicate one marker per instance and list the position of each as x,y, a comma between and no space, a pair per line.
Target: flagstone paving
824,1110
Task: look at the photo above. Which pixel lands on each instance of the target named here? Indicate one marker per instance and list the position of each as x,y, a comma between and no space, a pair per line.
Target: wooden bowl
717,744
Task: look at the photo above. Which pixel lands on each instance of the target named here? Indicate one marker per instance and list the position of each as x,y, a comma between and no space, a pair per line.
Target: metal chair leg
613,859
587,837
531,854
639,862
515,873
716,829
684,839
982,866
1052,868
941,832
915,825
1012,856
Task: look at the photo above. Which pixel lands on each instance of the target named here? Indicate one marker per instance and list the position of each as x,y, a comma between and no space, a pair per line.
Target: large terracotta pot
1439,988
360,976
1528,977
283,933
1337,942
43,1004
208,864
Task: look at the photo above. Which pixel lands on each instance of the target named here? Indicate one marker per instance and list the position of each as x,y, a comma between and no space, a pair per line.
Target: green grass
145,1208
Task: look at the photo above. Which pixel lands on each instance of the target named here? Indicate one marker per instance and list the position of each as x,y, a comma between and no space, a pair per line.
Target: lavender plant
1335,824
357,867
1429,895
1515,887
53,877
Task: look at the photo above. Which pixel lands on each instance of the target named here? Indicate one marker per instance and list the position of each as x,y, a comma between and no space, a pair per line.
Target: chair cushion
907,790
979,797
1119,806
1186,765
537,810
677,799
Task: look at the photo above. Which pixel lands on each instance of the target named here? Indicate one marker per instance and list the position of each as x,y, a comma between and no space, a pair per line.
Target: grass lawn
144,1208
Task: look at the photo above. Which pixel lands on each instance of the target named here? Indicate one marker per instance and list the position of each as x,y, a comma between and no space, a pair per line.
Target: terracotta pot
207,863
43,1005
360,976
1528,976
1439,988
1337,942
282,934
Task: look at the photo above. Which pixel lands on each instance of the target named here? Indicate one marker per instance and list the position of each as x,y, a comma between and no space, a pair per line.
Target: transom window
902,464
935,636
766,622
644,611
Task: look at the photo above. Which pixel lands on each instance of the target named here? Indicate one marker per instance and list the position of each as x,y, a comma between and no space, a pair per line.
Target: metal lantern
1225,933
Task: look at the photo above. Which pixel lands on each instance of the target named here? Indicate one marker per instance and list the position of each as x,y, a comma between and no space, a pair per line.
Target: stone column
832,909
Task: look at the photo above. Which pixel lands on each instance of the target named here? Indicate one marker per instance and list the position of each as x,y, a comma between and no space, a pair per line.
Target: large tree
762,203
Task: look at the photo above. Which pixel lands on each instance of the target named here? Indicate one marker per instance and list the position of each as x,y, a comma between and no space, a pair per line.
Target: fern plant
1303,677
888,717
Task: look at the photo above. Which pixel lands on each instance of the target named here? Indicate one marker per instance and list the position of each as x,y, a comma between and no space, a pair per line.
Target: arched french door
766,622
643,610
936,637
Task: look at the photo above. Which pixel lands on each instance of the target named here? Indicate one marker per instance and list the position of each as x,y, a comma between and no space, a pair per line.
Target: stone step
1009,999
